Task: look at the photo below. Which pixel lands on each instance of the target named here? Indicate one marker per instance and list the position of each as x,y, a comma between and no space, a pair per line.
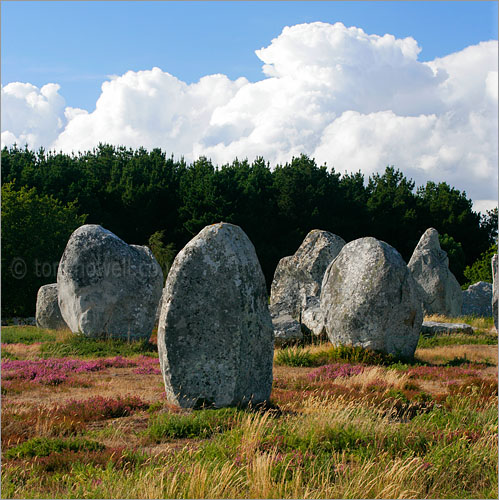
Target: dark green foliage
295,356
35,230
199,424
78,345
329,439
450,212
481,269
164,253
392,210
443,340
455,254
147,197
300,356
357,354
42,447
397,394
489,223
25,335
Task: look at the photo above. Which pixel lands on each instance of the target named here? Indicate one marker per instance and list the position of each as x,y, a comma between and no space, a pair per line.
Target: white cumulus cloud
345,97
31,115
149,109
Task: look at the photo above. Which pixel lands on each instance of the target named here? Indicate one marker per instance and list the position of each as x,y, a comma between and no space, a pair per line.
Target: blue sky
77,44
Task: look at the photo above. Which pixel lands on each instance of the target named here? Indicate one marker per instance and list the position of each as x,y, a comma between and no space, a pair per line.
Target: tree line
148,197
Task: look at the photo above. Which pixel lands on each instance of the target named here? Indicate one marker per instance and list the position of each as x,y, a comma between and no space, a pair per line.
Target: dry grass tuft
375,376
475,353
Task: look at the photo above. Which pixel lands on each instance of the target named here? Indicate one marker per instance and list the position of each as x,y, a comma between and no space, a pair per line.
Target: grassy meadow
88,419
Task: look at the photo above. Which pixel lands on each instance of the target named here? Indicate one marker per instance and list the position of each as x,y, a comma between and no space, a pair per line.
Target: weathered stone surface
215,337
477,300
106,287
298,278
312,317
495,292
440,290
431,328
286,330
48,314
158,309
370,299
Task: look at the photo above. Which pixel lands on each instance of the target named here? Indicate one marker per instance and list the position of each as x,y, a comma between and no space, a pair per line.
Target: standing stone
297,282
106,287
440,290
495,294
477,300
370,299
215,338
48,314
158,310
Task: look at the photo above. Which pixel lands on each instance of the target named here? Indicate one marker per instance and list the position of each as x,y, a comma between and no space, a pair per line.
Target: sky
356,85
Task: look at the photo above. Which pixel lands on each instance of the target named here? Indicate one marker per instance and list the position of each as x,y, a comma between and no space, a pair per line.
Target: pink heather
54,371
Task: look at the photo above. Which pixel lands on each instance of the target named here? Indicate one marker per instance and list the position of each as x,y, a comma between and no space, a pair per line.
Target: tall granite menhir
439,288
106,287
215,338
370,299
296,287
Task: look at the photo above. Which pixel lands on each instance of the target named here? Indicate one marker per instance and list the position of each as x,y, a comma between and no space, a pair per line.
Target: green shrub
35,230
423,397
301,356
78,345
42,447
199,424
438,341
155,407
397,394
358,354
455,254
26,335
326,439
295,356
481,269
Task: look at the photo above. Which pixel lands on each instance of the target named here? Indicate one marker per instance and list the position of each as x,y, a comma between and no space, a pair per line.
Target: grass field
89,419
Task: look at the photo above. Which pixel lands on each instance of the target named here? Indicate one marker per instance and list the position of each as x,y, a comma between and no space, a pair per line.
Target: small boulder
286,330
477,300
495,293
440,290
370,299
312,318
215,337
106,287
48,314
298,278
431,328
